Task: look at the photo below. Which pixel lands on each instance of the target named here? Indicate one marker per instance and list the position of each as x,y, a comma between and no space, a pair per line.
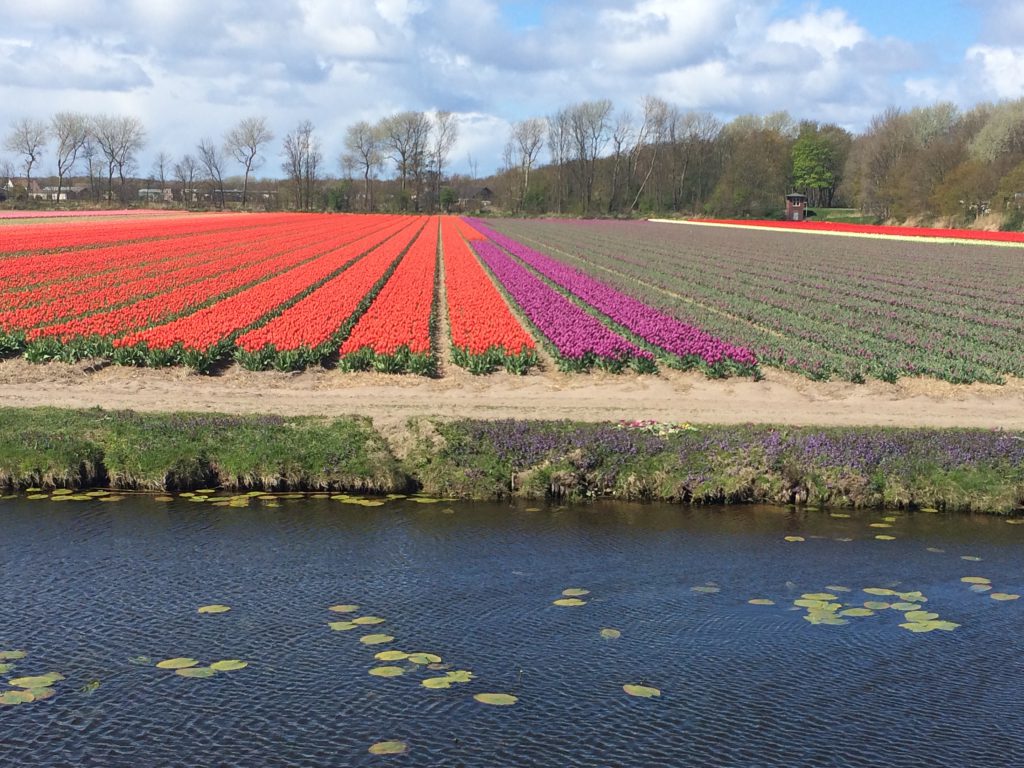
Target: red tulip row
395,333
64,271
485,335
37,238
202,338
54,302
91,335
311,330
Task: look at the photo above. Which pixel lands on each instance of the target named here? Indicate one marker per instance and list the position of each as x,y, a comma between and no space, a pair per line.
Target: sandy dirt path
669,396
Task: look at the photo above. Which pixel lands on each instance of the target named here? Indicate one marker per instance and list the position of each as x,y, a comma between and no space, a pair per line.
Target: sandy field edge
671,396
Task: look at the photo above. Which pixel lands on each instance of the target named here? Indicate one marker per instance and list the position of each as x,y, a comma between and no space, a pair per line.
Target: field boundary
833,233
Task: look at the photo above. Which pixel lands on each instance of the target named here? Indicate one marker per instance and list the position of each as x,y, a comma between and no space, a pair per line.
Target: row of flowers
485,335
394,336
202,338
690,346
578,340
312,329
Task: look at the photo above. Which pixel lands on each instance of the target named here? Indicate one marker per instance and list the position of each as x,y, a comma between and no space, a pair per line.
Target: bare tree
71,130
302,158
185,171
589,123
653,134
244,143
526,139
28,138
558,146
161,165
622,139
119,139
88,155
446,133
404,140
362,149
212,161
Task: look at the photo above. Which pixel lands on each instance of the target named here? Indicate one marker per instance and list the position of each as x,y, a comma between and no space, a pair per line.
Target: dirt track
670,396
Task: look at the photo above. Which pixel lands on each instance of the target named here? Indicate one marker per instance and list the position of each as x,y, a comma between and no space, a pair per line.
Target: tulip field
415,294
853,307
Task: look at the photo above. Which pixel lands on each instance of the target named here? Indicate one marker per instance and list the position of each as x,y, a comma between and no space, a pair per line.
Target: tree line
588,158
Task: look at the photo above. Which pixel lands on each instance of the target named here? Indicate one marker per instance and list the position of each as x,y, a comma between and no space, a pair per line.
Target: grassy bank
48,447
967,470
955,470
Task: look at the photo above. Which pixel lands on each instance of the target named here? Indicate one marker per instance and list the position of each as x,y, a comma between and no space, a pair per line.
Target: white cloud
1000,69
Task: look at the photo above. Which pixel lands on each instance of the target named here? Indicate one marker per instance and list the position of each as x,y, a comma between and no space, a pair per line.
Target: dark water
86,587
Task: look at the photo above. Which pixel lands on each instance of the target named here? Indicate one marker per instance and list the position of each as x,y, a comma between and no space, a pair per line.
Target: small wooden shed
796,207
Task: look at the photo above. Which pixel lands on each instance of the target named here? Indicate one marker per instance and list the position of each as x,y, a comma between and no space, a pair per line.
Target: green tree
819,155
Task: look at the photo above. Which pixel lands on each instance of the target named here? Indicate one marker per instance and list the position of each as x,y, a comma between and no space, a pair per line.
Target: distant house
16,187
475,198
164,195
69,192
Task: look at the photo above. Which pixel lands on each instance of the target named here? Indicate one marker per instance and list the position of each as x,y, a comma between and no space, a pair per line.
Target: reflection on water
597,635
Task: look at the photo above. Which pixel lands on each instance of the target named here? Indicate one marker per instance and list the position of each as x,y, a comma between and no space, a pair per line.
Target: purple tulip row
678,338
575,334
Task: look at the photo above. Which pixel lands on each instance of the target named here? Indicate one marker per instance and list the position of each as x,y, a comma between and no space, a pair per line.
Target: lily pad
375,639
5,668
818,596
641,691
181,662
971,558
761,601
794,538
344,608
706,589
882,537
879,525
905,606
920,616
37,496
201,672
610,634
437,683
63,492
839,515
228,665
878,591
37,681
388,748
575,592
424,658
341,626
569,602
857,612
460,675
112,498
980,587
12,698
217,608
391,656
387,671
367,620
1004,596
497,699
975,580
834,588
876,605
936,550
42,694
12,655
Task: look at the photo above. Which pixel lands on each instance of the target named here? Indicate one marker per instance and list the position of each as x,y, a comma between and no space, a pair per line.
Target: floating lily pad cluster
189,667
412,662
25,689
572,597
66,494
826,608
984,585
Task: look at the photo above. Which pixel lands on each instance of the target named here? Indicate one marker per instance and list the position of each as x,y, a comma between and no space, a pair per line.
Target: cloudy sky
191,68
